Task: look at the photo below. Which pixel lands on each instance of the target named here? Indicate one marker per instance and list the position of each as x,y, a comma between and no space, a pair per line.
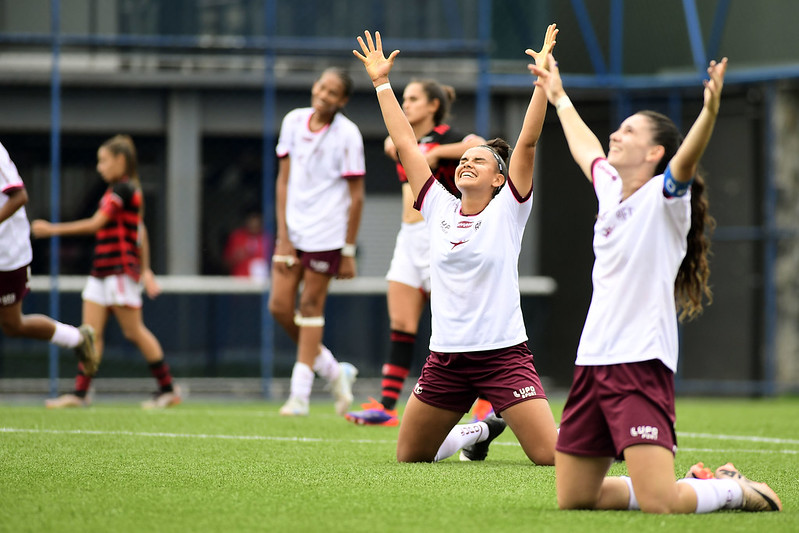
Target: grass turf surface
241,467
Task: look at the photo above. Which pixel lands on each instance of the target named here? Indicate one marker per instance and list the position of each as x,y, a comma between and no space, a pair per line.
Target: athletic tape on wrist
309,321
563,103
383,87
288,259
348,250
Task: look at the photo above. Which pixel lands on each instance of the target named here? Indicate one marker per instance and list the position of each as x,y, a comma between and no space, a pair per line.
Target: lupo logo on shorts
644,432
319,266
418,389
8,299
525,392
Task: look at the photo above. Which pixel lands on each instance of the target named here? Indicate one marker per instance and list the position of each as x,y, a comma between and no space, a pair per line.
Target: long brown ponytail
691,286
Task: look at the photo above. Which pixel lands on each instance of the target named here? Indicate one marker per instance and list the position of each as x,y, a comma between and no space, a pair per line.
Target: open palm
373,59
549,43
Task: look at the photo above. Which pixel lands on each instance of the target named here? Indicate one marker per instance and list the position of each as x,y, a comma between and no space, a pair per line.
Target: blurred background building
202,85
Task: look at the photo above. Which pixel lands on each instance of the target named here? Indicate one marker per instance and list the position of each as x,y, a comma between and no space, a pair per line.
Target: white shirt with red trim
474,275
321,162
15,241
639,244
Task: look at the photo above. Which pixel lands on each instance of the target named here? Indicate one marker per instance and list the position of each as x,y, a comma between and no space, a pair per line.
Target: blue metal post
717,30
482,117
616,59
268,194
55,177
589,37
695,35
771,240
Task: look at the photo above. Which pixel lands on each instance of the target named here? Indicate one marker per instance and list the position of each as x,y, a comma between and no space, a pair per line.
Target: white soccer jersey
15,241
639,245
318,197
474,295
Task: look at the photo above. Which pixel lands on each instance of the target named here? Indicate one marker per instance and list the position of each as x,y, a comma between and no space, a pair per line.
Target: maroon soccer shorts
612,407
504,377
321,262
13,286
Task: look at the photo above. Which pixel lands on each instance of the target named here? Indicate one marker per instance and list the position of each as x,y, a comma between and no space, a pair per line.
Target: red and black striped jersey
445,173
116,248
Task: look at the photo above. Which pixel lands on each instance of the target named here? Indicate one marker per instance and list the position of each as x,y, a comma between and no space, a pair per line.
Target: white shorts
118,290
410,263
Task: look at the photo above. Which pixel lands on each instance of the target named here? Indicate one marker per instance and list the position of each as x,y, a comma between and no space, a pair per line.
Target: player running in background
120,266
16,255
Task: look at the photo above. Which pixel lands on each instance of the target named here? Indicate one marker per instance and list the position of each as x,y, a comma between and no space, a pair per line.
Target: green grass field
241,467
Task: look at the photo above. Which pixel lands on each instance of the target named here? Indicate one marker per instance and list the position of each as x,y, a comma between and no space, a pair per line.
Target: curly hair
691,287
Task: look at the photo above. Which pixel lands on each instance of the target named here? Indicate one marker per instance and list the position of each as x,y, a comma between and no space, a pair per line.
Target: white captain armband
673,188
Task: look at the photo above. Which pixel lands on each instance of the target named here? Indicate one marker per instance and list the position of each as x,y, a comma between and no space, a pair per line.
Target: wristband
348,250
563,103
383,87
288,259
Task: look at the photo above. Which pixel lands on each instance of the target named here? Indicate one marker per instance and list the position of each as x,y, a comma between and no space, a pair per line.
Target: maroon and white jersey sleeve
15,244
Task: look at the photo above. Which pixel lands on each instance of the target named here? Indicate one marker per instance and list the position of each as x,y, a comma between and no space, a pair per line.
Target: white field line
268,438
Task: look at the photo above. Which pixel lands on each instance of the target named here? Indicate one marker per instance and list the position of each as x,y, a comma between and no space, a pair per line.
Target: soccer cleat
86,351
341,387
162,400
700,471
481,410
373,414
479,450
66,400
294,407
756,496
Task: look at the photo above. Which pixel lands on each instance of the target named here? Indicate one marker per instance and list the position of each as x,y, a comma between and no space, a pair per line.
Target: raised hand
373,59
549,79
549,43
714,85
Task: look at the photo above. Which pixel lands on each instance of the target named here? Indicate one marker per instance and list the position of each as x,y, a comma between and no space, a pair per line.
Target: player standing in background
319,200
121,262
651,261
478,344
426,104
15,259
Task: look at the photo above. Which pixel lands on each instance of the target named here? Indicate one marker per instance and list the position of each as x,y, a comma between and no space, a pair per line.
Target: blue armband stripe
673,188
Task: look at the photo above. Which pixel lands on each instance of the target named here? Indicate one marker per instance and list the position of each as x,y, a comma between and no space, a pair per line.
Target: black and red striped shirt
445,172
116,248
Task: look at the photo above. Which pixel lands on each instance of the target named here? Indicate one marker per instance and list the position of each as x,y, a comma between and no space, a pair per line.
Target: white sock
633,503
715,494
301,381
65,335
460,436
326,365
